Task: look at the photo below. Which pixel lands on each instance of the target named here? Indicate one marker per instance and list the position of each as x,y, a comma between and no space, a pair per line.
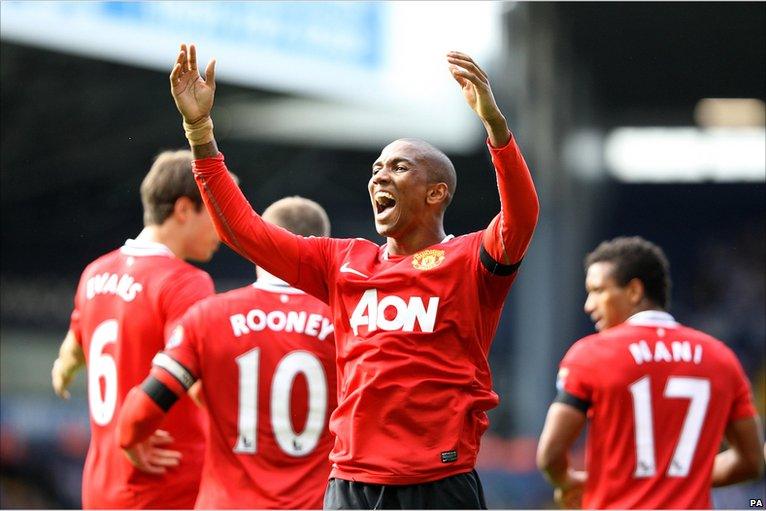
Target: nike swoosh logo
345,269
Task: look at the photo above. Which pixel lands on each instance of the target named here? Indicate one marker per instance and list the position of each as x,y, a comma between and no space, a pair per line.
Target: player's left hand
148,456
474,83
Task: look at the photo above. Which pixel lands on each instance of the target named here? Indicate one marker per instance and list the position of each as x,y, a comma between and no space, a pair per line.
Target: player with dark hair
127,302
414,318
659,397
266,356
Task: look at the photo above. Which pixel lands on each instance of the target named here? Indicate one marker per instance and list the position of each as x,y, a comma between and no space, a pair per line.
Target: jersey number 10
695,389
287,369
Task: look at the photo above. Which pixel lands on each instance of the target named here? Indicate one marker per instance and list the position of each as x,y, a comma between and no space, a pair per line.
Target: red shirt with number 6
127,302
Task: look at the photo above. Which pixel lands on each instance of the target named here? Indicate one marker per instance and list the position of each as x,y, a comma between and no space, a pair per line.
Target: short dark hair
169,179
440,168
636,258
299,216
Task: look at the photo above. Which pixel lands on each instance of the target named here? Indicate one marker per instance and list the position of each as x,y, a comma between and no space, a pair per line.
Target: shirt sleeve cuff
511,143
207,166
744,412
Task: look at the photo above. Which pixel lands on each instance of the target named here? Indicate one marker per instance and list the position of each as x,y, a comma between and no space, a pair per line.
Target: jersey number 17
695,389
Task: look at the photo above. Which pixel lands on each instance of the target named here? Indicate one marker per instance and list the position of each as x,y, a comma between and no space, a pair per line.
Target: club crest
427,259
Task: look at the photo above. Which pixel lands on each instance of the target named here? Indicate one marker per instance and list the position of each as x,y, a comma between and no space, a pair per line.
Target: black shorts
461,491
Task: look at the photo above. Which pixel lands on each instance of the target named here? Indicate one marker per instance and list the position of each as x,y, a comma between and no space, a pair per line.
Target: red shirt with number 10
266,357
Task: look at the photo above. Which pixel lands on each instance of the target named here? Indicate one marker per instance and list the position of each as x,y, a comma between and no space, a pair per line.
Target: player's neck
645,305
415,241
165,235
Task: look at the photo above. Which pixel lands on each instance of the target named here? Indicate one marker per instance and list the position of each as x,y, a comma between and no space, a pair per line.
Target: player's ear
182,208
437,193
635,289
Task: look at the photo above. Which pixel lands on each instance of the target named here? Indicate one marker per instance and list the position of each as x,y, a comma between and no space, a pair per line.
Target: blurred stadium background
635,118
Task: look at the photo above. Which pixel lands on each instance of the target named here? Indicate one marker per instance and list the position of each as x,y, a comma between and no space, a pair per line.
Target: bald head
299,216
439,166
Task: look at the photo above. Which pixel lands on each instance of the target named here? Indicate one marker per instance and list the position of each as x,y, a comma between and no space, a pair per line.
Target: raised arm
474,83
194,97
238,225
508,236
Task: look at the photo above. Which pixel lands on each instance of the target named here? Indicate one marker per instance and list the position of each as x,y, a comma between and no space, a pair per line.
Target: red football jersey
660,396
412,332
127,302
266,357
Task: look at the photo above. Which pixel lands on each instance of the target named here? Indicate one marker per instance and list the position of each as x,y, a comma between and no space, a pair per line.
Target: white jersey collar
268,282
653,318
145,248
385,247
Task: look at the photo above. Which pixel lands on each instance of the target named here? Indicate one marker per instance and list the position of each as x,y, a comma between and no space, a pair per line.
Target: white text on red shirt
371,313
299,322
680,351
123,286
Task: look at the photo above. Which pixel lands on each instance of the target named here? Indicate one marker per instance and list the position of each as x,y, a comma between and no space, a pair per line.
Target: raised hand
148,456
474,83
193,94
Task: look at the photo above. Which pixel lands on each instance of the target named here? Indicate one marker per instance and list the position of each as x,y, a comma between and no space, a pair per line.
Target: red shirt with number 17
127,301
659,396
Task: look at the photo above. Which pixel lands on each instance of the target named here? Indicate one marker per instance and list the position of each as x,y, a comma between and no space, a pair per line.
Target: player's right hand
568,499
569,496
60,379
149,457
193,94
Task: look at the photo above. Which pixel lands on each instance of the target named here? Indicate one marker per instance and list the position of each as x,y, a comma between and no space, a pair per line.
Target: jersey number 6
101,366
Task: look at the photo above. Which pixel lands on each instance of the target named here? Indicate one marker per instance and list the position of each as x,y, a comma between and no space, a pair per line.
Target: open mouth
384,201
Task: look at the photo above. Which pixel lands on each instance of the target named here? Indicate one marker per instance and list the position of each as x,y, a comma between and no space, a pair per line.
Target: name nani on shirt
680,351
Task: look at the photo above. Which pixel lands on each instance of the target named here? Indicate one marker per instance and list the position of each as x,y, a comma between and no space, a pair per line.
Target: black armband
568,399
159,392
494,267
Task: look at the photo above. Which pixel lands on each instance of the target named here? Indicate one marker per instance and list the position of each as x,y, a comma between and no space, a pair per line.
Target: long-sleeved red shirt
412,332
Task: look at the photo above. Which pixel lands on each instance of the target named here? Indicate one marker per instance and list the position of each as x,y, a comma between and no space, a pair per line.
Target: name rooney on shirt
301,322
